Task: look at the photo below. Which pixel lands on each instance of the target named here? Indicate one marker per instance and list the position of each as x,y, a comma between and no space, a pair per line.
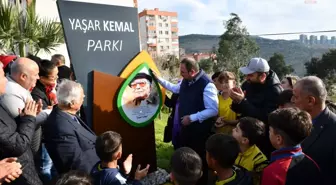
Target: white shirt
210,99
15,99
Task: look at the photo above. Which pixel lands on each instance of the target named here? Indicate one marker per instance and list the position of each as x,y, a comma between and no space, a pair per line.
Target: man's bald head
23,65
25,72
313,86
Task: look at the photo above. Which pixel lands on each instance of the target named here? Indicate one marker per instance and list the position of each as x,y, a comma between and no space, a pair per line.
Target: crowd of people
266,131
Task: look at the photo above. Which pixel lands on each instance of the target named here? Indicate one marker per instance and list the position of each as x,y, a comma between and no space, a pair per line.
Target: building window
167,40
166,32
160,32
160,24
167,47
151,17
167,24
161,47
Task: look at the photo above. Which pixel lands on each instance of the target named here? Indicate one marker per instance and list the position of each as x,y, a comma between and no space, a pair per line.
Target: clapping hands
139,173
9,170
31,109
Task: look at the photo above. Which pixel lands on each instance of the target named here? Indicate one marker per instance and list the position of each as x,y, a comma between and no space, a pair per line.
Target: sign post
102,40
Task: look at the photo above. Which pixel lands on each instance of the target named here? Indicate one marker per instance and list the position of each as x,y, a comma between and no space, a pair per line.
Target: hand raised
128,164
155,75
140,174
31,108
40,106
237,94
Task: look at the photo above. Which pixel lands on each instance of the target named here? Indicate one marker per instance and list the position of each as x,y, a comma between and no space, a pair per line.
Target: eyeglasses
53,77
141,84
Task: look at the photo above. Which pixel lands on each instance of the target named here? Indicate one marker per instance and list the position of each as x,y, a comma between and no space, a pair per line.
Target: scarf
51,93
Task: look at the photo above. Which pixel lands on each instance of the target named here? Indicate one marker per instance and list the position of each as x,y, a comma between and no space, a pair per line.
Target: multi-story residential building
313,39
304,39
323,39
159,32
333,40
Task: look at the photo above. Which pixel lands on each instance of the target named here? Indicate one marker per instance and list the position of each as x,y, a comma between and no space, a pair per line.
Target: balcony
174,29
152,45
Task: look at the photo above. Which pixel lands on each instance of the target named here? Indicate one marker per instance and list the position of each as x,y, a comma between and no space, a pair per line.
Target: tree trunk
22,49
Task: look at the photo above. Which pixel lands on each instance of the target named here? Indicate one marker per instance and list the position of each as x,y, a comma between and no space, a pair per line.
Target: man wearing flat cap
141,86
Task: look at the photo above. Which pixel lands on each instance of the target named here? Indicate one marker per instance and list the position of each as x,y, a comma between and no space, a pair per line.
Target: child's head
186,166
225,81
221,151
249,131
289,127
215,76
289,81
74,178
285,99
108,146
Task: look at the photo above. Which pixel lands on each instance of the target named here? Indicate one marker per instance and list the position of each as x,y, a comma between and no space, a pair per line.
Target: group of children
232,153
236,159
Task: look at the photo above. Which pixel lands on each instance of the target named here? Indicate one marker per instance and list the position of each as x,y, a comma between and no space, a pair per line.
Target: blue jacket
109,176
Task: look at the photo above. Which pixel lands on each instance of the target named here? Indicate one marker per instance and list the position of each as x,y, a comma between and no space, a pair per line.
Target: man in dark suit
15,138
310,94
69,141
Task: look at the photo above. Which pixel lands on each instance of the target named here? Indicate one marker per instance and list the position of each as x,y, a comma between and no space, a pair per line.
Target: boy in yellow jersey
227,119
248,132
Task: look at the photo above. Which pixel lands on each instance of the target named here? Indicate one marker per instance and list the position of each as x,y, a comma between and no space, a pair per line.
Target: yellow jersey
224,110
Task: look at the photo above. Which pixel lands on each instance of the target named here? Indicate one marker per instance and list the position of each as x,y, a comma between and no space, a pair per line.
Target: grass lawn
163,150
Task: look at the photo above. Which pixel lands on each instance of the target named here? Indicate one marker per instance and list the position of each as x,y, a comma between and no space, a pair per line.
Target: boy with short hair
186,167
285,99
106,172
289,165
248,132
227,118
221,153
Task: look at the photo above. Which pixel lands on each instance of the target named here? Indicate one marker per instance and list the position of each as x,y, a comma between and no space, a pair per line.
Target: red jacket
290,166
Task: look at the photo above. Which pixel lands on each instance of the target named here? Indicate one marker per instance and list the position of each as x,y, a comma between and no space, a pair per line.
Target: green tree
312,67
324,68
20,28
206,65
277,63
235,46
168,65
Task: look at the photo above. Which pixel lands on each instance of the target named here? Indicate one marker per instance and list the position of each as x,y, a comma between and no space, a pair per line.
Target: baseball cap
255,65
6,59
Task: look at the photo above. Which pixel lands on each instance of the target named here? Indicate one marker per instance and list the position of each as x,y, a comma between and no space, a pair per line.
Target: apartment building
159,32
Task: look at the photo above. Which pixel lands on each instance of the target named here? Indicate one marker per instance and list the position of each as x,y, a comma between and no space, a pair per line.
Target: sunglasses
141,84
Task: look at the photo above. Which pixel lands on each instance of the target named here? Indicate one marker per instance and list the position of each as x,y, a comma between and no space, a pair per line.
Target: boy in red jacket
289,165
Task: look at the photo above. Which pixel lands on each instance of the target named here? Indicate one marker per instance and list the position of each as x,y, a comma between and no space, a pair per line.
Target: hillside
296,54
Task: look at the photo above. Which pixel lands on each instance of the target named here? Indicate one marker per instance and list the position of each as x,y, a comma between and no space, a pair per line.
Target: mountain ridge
295,53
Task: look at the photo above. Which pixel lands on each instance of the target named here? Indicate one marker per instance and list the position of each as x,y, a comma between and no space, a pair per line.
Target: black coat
260,99
15,141
321,145
39,92
70,145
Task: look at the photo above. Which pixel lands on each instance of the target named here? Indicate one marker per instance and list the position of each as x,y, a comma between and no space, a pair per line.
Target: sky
259,16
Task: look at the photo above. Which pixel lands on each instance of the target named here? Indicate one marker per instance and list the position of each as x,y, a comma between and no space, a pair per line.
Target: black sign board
99,37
